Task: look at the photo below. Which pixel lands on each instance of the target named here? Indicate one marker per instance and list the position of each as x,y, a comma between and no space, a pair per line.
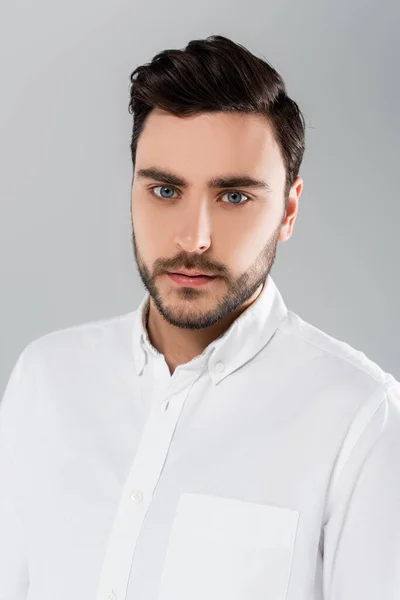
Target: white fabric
266,468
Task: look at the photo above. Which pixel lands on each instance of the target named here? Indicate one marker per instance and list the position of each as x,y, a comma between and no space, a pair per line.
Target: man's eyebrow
227,181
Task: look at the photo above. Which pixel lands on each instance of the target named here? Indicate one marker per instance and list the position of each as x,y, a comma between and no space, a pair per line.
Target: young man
210,444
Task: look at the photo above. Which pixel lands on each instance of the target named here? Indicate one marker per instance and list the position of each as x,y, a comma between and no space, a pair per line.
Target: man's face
230,232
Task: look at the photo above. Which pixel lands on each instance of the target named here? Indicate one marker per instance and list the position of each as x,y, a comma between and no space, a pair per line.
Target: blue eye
235,193
165,187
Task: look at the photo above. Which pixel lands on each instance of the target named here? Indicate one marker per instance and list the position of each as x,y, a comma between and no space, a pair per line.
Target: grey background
66,256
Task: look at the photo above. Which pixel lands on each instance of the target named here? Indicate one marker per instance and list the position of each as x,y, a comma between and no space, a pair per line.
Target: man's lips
186,274
191,281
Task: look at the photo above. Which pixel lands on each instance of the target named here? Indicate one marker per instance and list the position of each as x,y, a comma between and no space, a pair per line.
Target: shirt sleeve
13,556
362,534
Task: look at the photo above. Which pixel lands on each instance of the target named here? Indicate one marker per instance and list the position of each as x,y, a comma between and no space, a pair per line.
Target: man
210,444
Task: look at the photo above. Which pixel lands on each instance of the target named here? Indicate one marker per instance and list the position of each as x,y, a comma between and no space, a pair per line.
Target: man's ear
291,210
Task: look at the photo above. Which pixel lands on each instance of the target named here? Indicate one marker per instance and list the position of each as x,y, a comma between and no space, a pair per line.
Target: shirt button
137,497
112,596
219,367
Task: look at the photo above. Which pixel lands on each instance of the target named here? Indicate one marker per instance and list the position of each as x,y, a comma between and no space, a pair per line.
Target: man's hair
217,74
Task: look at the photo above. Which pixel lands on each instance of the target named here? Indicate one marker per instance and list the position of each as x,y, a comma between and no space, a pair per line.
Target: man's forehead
207,152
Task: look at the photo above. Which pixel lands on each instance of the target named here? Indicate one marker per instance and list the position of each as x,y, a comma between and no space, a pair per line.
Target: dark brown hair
217,74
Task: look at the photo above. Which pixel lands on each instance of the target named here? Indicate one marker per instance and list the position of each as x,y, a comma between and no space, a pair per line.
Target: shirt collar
246,336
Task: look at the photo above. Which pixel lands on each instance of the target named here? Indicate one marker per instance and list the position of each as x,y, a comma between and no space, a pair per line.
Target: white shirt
266,468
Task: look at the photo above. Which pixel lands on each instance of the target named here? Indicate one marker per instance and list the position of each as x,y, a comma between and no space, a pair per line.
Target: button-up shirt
265,468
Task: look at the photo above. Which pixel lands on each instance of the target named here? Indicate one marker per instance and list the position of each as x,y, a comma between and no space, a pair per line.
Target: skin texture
217,231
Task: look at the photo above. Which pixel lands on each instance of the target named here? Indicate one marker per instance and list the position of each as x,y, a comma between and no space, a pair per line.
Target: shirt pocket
224,548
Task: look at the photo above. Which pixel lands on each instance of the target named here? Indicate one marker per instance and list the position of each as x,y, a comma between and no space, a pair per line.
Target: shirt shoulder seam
381,382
